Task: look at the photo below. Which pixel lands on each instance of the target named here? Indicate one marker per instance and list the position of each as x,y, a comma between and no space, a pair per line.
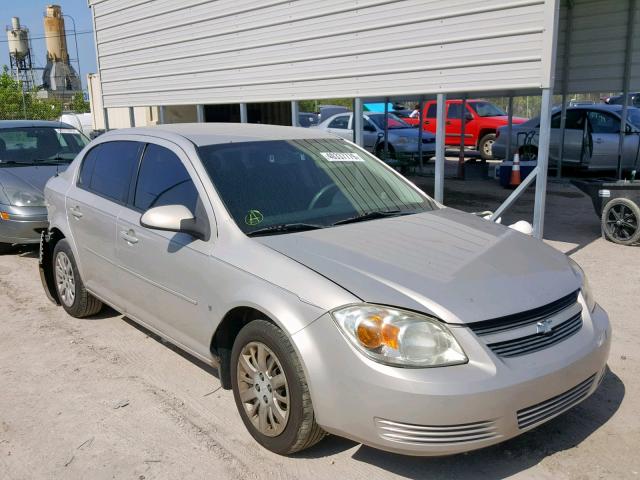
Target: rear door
429,120
167,281
340,126
93,205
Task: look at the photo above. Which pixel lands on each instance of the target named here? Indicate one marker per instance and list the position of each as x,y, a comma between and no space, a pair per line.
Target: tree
79,104
17,104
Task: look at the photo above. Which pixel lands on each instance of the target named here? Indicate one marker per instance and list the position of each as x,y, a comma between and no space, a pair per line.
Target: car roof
217,133
599,106
33,123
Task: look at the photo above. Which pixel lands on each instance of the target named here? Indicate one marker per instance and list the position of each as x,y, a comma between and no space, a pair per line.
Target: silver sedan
330,292
592,135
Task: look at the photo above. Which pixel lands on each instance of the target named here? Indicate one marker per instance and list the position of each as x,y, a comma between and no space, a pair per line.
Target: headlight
20,198
585,287
398,337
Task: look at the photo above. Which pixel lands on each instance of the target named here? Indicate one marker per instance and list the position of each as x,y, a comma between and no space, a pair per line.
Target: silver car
403,139
31,152
331,293
592,135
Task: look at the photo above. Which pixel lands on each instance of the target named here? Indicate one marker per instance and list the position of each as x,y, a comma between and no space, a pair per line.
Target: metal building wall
164,52
597,44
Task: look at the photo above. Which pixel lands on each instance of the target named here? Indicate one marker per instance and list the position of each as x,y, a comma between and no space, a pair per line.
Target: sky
31,13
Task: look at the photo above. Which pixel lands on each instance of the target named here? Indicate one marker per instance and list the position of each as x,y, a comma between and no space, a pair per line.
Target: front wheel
271,391
621,221
73,296
485,146
5,248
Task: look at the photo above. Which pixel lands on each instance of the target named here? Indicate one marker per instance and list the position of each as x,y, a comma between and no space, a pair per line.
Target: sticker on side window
342,157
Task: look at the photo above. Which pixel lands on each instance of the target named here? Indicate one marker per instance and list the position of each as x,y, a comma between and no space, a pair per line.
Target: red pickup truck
482,121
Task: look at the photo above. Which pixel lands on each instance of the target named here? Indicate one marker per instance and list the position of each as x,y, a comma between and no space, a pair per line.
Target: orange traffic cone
515,171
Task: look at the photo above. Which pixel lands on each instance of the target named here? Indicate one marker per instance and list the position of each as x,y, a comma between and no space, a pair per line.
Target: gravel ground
102,398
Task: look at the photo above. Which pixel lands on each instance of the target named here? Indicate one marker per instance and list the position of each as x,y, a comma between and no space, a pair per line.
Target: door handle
447,122
75,211
427,122
129,236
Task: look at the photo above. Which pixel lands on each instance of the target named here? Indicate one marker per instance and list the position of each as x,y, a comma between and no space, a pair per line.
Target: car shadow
498,461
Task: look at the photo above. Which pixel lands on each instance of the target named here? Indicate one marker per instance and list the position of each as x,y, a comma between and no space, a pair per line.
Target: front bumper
441,411
23,225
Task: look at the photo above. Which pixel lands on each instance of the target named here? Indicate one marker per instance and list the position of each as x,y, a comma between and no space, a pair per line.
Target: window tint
163,180
431,112
88,164
340,122
603,122
574,121
114,168
454,111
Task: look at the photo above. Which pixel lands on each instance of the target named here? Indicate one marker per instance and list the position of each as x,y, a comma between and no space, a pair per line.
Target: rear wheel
271,391
620,221
73,296
485,146
5,248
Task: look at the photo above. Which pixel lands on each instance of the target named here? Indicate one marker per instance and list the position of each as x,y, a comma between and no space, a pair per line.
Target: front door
166,273
577,148
453,125
604,129
93,205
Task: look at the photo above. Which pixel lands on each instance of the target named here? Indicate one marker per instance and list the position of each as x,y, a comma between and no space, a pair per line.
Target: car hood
409,132
505,119
446,263
30,179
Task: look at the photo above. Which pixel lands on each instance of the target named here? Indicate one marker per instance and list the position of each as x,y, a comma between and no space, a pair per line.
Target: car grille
516,335
525,318
535,342
436,434
543,411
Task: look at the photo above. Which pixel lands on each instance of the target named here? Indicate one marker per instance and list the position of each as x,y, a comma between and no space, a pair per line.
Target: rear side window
431,111
108,170
163,180
340,122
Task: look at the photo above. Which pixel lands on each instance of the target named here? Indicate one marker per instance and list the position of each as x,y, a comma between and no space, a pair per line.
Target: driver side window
163,180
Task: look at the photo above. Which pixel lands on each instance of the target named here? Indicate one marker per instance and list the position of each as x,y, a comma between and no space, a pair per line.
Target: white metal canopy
162,52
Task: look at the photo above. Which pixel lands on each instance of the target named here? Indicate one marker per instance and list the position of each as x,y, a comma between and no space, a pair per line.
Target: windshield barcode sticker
342,157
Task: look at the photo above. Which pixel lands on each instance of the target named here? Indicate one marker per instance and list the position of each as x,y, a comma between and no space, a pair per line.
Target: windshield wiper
52,160
371,216
284,228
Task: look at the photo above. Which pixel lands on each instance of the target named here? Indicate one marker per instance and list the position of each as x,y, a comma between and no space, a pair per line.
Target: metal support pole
132,117
295,112
244,118
386,129
357,122
420,129
543,162
105,114
200,113
161,115
514,195
463,121
509,128
626,80
439,177
563,126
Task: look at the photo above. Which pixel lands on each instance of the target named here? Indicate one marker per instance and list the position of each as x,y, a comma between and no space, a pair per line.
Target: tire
72,294
485,145
390,152
255,390
5,248
621,221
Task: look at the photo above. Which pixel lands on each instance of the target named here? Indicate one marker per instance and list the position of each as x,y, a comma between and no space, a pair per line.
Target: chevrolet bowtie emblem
544,327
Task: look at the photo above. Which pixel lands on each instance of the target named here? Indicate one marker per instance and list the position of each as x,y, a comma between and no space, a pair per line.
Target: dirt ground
101,398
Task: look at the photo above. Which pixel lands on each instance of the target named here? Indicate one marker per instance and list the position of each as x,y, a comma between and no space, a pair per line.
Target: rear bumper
23,225
442,411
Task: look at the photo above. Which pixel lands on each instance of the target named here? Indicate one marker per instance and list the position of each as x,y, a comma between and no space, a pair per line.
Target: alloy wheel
621,222
65,279
263,389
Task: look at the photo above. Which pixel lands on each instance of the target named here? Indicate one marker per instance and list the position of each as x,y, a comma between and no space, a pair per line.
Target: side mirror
468,117
171,218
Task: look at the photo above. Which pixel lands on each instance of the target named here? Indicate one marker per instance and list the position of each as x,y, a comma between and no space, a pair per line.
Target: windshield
305,184
393,121
486,109
32,145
